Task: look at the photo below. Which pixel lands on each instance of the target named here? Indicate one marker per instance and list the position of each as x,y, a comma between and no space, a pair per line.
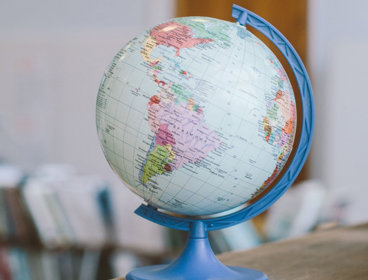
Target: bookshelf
60,225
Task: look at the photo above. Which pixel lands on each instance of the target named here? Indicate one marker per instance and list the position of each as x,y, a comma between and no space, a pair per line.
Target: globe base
160,272
196,262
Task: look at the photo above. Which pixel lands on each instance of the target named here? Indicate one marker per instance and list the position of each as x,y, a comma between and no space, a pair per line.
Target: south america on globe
196,115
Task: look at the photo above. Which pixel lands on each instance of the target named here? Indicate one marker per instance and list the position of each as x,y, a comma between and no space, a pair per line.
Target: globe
196,115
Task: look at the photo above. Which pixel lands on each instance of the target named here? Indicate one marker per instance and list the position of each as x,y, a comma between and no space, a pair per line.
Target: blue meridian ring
245,17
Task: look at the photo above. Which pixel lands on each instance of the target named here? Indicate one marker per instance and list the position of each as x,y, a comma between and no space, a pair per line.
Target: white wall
338,47
52,57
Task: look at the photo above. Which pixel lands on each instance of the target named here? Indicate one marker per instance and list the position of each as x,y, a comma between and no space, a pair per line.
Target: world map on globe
196,115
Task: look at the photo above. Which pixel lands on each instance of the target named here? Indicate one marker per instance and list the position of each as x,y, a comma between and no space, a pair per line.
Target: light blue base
196,262
160,272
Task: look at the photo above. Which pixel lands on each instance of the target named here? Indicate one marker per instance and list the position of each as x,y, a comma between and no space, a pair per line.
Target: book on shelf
30,264
15,220
67,212
56,224
53,226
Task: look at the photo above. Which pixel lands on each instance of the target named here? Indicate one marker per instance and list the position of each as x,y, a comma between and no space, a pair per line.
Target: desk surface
336,254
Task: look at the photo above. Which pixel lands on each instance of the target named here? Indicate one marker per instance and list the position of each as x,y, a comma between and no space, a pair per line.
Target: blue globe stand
197,261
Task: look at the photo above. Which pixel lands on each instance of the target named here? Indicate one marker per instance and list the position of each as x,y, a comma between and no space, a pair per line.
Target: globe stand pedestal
196,262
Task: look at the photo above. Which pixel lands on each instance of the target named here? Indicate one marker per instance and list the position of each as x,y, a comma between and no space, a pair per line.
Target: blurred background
65,215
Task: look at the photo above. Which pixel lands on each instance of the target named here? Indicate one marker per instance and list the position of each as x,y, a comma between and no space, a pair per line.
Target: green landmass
272,112
155,163
182,95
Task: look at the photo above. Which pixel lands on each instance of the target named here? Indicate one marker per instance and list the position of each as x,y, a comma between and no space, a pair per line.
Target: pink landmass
164,136
282,74
191,139
174,34
154,123
284,139
288,110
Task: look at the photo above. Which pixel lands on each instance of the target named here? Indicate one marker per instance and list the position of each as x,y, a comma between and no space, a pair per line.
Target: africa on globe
196,115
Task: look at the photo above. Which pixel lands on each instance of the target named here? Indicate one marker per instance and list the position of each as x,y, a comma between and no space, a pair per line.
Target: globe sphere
196,115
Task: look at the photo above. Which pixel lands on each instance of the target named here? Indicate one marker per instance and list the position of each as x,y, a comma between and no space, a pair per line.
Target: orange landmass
154,99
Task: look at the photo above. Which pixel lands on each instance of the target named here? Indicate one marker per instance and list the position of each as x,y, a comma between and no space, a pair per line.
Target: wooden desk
336,254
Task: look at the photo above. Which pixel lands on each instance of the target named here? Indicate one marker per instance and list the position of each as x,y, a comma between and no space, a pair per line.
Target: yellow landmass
171,152
149,46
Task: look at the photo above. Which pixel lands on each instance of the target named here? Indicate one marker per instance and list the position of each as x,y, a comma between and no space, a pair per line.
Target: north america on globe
196,115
